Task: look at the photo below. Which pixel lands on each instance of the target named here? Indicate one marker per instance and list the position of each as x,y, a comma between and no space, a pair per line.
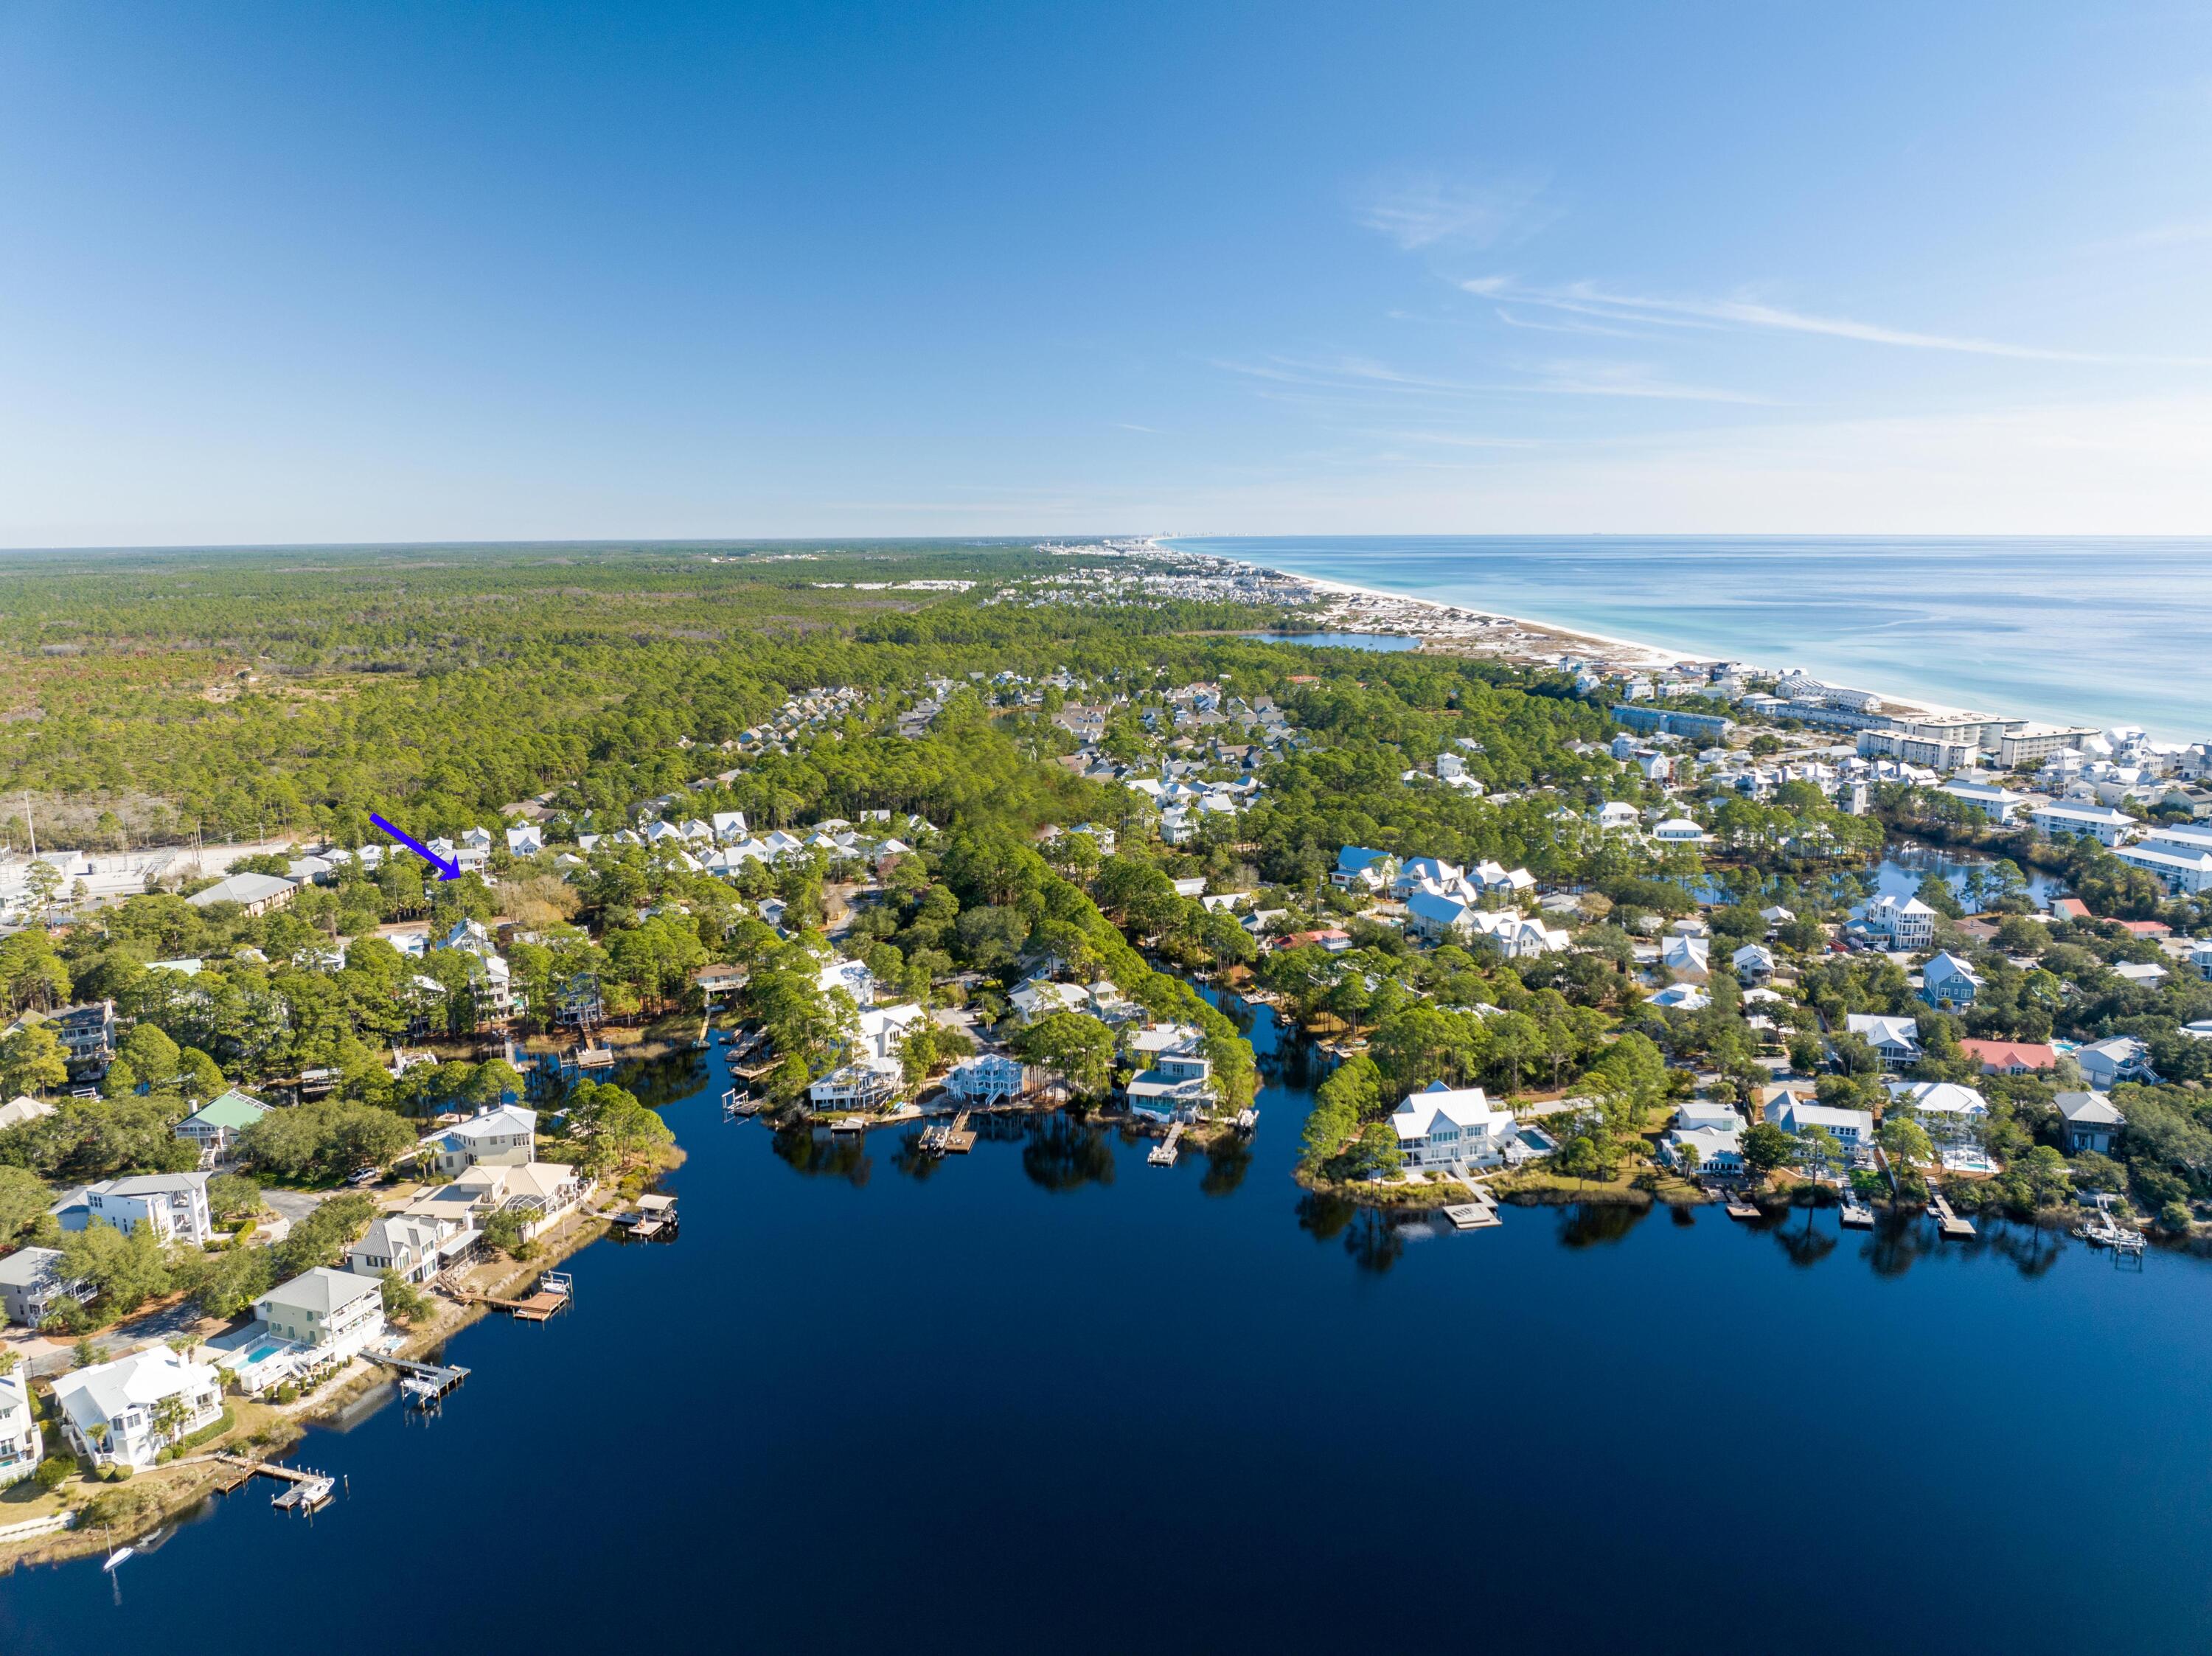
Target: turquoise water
2103,631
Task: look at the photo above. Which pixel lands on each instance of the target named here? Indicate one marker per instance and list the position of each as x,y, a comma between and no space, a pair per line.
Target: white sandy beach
1372,609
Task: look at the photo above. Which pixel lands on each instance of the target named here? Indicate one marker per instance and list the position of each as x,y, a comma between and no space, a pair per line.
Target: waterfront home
1695,1112
2092,1122
1794,1113
543,1193
2103,824
1946,1108
1753,964
1948,984
859,1086
2106,1063
462,1204
1718,1150
985,1078
127,1412
872,1074
173,1203
334,1314
215,1127
418,1246
31,1285
1178,1086
504,1138
719,979
1445,1126
2011,1057
20,1439
1906,923
1687,959
1897,1039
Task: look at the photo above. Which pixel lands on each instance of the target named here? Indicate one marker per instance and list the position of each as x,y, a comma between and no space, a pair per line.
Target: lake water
2106,631
1049,1398
1383,643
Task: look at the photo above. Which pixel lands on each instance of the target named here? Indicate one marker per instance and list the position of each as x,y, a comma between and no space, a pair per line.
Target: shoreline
1607,649
280,1429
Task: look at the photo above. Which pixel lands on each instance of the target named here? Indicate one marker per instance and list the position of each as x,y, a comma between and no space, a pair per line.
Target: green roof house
215,1125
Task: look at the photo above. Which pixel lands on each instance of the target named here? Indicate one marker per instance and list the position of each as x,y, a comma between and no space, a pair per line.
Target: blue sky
319,272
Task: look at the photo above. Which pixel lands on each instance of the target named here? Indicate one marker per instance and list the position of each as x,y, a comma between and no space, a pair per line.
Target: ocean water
1047,1398
2101,630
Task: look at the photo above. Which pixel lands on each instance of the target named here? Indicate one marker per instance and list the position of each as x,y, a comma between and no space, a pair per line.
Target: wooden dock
554,1293
424,1385
1948,1223
1742,1207
1478,1215
303,1491
957,1138
1857,1215
1164,1153
653,1216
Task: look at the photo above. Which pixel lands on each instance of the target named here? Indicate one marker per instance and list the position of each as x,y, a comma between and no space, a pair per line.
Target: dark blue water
1050,1398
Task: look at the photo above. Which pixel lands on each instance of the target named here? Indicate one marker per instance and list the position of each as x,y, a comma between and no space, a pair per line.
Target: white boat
119,1556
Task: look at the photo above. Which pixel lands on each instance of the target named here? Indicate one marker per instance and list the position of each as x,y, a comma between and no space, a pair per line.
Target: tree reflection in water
1064,1154
1374,1242
1590,1224
824,1155
910,1159
1682,1214
1324,1218
1805,1245
1901,1236
1370,1236
2032,1249
668,1079
1226,1163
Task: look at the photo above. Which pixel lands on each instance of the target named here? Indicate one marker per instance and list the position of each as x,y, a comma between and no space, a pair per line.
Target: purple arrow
446,870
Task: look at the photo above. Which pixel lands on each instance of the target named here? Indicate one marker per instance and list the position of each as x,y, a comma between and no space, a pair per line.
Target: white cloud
1588,299
1421,210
